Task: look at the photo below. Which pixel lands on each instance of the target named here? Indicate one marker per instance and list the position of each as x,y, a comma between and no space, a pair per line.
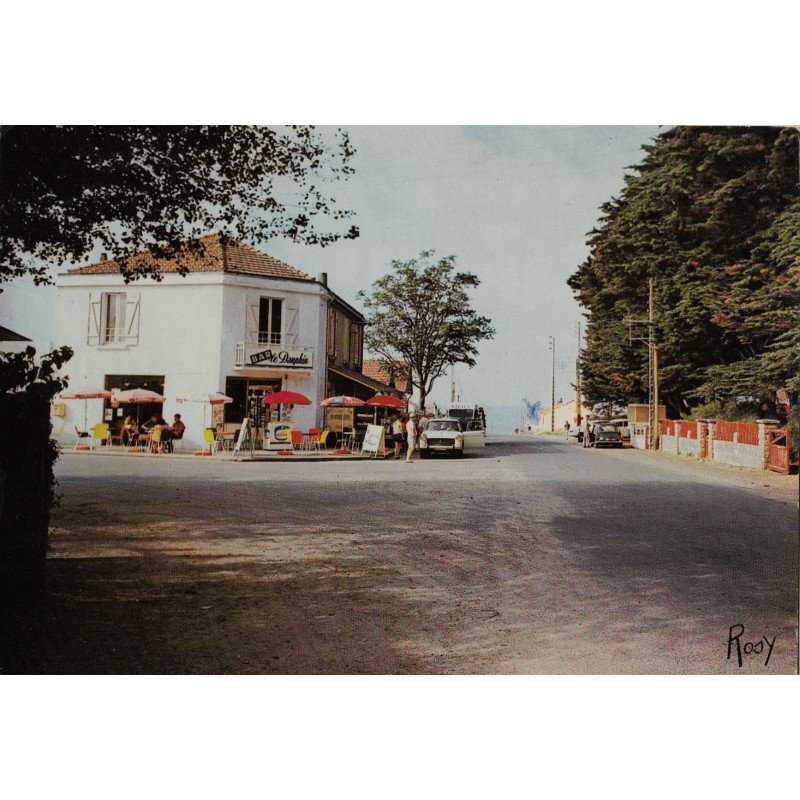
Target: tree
420,314
27,454
65,190
704,216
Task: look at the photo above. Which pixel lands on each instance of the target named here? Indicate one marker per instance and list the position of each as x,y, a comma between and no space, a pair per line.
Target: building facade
555,417
237,321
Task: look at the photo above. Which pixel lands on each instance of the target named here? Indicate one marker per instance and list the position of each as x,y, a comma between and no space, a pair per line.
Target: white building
238,322
556,417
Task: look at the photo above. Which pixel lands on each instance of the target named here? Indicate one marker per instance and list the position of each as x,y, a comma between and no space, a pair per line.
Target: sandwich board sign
373,440
245,439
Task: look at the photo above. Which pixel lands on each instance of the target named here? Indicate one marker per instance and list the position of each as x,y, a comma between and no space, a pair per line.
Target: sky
513,204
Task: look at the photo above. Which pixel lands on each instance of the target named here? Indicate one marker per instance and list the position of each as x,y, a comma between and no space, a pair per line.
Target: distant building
396,375
562,412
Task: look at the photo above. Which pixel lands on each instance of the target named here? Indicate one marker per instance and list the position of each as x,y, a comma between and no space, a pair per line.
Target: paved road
536,556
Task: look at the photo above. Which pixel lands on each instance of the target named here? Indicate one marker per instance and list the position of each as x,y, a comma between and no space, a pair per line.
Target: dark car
604,434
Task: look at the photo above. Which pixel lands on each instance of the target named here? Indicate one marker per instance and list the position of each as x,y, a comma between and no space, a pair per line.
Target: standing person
397,436
404,431
586,431
412,436
566,429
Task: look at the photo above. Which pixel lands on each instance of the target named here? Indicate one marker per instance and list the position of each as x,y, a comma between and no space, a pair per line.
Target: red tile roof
218,254
376,369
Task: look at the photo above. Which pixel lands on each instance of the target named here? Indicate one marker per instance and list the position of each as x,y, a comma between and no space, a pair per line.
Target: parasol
384,401
86,393
212,398
138,396
286,398
341,401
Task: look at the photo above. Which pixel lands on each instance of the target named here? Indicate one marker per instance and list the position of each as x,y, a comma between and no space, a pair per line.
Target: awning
357,377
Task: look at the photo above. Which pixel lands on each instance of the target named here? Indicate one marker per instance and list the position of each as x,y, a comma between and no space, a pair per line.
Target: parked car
604,434
443,435
624,429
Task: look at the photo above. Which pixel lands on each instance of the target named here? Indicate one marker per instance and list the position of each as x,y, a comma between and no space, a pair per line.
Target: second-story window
112,321
269,320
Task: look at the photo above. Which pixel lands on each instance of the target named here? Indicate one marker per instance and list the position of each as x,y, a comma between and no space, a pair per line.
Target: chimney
103,257
323,278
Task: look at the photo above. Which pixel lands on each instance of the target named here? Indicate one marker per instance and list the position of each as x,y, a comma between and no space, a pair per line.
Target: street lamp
552,346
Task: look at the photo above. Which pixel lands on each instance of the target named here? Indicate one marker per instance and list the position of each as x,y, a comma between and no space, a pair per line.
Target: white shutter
132,309
252,304
291,324
93,322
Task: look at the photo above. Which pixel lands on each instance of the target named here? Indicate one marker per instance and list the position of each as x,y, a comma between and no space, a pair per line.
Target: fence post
702,438
712,430
765,425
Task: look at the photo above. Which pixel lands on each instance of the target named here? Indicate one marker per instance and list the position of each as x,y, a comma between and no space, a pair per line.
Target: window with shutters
355,344
270,314
331,332
113,319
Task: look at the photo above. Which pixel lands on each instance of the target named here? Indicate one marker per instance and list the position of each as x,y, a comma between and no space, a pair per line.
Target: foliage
65,190
27,455
711,216
420,314
730,410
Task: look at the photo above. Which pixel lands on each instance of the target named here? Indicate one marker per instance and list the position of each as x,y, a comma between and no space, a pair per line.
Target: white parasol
212,398
86,393
138,396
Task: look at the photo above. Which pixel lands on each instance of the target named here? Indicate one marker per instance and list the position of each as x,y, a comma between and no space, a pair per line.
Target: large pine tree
711,216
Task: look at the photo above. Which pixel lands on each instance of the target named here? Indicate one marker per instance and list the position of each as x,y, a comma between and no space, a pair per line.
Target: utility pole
552,346
578,381
652,366
654,430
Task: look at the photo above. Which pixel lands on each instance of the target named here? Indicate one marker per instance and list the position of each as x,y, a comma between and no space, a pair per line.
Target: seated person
150,424
162,435
177,428
129,430
170,433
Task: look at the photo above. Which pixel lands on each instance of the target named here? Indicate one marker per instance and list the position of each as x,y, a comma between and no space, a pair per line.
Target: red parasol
286,398
386,401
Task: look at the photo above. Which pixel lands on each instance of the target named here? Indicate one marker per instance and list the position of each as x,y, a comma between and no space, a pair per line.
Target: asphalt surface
534,556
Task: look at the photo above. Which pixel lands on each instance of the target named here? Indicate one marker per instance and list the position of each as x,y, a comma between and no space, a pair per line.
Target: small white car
443,435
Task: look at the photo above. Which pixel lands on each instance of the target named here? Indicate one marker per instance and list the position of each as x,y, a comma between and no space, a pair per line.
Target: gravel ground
500,563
